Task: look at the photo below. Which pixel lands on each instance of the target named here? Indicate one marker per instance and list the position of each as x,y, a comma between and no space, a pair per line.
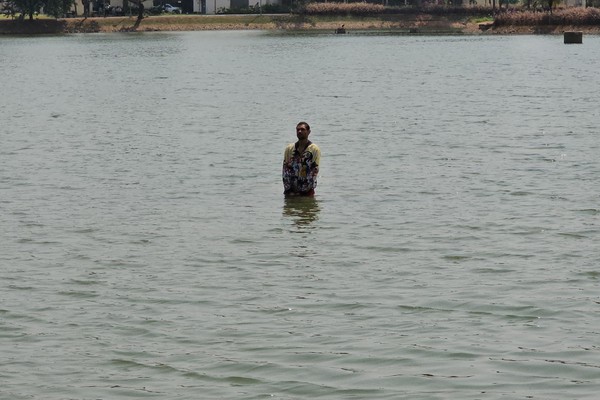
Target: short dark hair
303,123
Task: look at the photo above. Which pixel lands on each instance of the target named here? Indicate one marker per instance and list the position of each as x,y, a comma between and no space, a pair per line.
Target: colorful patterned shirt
300,170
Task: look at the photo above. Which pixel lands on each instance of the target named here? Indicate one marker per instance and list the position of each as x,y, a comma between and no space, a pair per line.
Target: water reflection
303,210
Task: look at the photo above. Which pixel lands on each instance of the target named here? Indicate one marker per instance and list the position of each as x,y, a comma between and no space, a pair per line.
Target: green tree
140,9
58,8
552,4
28,7
55,8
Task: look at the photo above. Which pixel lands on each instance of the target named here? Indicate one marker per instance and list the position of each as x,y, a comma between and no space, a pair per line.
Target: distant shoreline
413,24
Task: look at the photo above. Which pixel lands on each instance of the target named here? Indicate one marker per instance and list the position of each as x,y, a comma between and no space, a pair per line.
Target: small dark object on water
413,30
341,29
573,37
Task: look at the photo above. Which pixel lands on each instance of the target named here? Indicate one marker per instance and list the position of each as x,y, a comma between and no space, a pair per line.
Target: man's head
302,130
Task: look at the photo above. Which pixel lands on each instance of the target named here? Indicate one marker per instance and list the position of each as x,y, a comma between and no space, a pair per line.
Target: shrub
571,16
367,9
358,9
265,9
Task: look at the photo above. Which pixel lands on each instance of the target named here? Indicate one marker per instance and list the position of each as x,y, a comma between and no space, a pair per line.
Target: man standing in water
301,164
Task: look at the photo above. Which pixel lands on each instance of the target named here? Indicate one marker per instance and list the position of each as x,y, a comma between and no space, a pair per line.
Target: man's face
301,132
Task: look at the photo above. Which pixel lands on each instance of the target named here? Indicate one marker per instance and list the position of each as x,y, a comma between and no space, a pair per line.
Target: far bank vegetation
530,13
501,12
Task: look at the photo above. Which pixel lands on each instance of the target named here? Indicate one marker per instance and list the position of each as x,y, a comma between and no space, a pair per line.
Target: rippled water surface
451,251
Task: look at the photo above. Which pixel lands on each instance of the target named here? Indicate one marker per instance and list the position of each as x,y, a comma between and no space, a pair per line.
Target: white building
213,6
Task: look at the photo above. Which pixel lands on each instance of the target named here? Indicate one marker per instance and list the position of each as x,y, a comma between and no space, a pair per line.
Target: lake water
451,251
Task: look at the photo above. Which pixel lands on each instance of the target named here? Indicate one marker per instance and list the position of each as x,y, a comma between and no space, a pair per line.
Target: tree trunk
140,15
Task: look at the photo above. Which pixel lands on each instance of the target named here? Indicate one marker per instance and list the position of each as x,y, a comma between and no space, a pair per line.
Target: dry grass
187,23
586,20
371,9
575,16
360,9
234,22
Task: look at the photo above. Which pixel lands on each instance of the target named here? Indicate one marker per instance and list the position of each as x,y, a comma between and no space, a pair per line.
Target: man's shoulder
313,147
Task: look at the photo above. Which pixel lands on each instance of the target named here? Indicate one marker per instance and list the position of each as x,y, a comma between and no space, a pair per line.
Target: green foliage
479,20
55,8
28,7
58,8
275,8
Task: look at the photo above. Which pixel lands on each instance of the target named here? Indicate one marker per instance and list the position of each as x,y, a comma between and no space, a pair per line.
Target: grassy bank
450,23
421,22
